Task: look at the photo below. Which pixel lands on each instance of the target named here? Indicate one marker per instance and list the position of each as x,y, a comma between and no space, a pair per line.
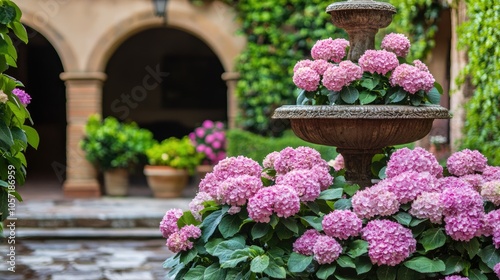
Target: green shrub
256,147
176,153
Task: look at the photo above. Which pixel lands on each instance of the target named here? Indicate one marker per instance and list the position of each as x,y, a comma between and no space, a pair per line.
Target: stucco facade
85,34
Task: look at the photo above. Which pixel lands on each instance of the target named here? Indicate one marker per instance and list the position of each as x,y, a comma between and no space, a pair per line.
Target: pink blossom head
466,162
304,244
305,182
458,200
208,124
490,223
451,181
490,191
235,191
418,160
320,66
260,206
476,180
491,173
299,158
389,243
374,201
337,163
463,226
378,61
428,206
334,78
412,79
180,241
168,224
269,160
396,43
287,201
352,70
196,204
496,268
341,224
303,63
409,184
22,95
326,249
306,78
329,49
420,65
236,166
455,277
210,184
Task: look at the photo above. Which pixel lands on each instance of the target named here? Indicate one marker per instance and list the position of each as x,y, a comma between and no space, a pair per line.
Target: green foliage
258,147
176,153
479,37
15,135
111,144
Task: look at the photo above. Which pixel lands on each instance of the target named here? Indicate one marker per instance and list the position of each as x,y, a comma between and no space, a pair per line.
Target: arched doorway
39,67
166,80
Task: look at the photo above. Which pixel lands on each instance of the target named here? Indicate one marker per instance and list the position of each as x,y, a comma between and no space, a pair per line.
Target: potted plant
210,140
115,148
171,161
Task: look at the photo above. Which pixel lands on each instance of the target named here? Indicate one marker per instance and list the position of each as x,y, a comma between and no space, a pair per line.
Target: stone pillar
231,79
83,98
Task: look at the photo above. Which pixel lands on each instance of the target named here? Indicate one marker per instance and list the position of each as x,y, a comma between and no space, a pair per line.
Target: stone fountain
361,131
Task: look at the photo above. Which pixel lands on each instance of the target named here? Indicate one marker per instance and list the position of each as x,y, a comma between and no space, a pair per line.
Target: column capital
230,76
82,76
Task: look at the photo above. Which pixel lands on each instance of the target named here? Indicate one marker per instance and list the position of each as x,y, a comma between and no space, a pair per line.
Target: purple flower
380,62
409,184
304,245
466,162
418,160
428,206
396,43
304,181
22,95
412,79
374,201
326,249
168,224
341,224
490,191
329,49
196,204
306,78
179,241
237,190
389,243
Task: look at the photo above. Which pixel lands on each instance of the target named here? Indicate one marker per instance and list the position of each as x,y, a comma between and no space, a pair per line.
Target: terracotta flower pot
165,181
116,182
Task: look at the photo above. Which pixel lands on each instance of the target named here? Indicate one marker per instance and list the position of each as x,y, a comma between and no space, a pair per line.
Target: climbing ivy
281,32
479,36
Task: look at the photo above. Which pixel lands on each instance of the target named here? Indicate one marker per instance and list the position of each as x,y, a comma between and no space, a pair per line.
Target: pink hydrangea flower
320,66
304,244
304,181
455,277
463,226
374,201
454,182
378,61
491,173
490,191
260,206
466,162
237,190
456,200
389,243
196,204
409,184
337,163
329,49
306,78
326,249
235,166
180,241
490,223
337,77
428,206
287,201
299,158
341,224
420,65
496,268
209,184
269,160
303,63
168,224
412,79
475,180
418,159
22,95
396,43
325,179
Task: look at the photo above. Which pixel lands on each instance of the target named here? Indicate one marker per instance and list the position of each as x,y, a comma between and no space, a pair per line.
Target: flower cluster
378,77
210,140
178,239
22,95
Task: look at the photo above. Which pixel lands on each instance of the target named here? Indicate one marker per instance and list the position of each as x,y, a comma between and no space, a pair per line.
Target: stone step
84,233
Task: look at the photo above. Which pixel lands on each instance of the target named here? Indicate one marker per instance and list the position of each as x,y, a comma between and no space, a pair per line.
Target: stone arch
62,47
182,15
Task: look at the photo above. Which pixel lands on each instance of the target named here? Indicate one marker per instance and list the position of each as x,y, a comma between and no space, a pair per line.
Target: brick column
83,98
231,79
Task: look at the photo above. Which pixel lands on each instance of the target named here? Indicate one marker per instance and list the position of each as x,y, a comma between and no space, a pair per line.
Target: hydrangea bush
294,217
210,140
379,76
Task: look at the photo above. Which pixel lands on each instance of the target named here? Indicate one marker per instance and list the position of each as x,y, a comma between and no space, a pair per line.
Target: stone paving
86,260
